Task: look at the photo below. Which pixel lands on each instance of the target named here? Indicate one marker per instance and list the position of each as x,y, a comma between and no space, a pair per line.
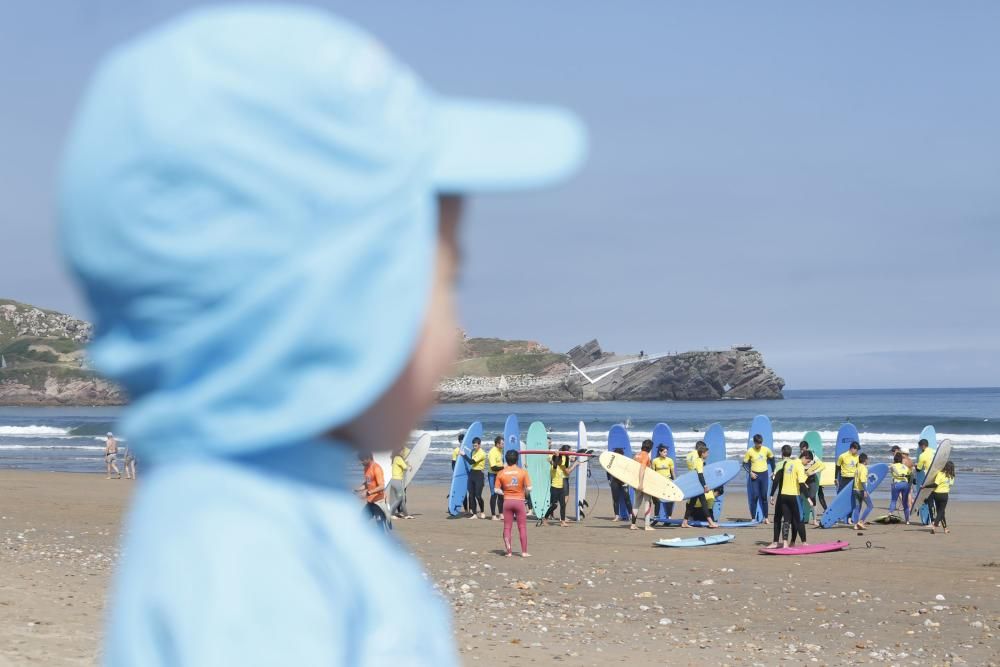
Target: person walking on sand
397,492
925,457
662,465
372,489
559,473
786,456
756,462
941,484
514,484
847,466
495,460
901,477
129,463
695,461
282,199
477,479
860,494
814,471
643,500
791,479
111,456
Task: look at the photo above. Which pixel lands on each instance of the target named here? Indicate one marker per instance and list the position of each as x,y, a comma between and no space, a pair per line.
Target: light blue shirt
259,561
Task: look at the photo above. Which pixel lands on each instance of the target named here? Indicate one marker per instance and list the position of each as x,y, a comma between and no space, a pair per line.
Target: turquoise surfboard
460,475
702,541
539,468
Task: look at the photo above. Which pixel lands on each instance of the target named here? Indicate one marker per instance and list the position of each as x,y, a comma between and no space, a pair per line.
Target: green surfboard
539,468
816,447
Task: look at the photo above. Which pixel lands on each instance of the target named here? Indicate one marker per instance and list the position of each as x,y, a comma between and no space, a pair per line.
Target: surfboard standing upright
816,447
416,457
662,435
930,435
511,436
460,475
715,438
847,434
582,472
761,424
618,439
539,468
941,456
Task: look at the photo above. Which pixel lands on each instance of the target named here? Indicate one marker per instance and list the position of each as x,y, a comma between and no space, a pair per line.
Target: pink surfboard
805,551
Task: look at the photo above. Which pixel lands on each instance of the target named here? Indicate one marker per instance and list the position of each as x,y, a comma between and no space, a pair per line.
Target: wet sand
594,593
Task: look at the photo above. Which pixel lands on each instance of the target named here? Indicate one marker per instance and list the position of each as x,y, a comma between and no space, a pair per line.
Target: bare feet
613,518
946,531
473,517
712,524
563,524
772,545
685,524
767,521
482,515
932,530
633,527
525,555
649,528
508,554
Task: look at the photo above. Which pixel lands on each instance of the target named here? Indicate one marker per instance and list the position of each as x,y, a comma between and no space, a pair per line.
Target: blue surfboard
840,508
662,435
511,436
716,475
761,424
931,435
618,439
460,476
715,438
703,541
720,524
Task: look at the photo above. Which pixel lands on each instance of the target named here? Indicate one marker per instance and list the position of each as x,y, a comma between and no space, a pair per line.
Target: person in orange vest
373,488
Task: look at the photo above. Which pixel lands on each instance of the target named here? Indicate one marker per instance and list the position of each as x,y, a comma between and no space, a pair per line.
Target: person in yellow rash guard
900,473
663,465
695,460
942,487
495,461
847,464
477,478
860,493
558,486
814,472
756,462
791,480
397,492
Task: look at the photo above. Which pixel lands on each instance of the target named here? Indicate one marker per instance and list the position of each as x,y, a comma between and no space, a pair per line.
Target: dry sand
593,594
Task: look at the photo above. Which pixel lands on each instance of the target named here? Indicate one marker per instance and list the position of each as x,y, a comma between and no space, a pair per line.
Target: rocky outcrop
19,320
687,376
20,387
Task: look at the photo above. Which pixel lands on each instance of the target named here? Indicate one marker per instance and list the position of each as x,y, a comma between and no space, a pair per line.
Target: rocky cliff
42,360
686,376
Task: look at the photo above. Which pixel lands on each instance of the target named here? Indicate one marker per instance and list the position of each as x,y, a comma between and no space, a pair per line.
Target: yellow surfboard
627,470
829,475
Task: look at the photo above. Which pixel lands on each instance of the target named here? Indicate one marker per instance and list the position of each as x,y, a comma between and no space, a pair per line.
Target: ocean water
71,439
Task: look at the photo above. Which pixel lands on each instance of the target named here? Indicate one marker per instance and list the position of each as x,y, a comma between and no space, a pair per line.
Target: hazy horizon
817,180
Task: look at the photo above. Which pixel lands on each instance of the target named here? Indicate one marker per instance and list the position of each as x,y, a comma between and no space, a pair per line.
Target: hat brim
488,146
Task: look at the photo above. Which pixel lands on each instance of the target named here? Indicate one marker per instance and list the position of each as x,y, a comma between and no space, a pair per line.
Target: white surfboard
581,472
384,460
941,457
627,470
416,458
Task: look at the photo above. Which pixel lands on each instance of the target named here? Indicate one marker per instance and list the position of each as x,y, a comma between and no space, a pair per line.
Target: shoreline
594,592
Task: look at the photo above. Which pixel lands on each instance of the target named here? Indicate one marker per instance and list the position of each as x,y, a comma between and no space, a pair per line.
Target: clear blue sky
820,180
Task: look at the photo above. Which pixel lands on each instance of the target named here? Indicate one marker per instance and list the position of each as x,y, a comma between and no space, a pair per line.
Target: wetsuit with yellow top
791,480
496,463
663,465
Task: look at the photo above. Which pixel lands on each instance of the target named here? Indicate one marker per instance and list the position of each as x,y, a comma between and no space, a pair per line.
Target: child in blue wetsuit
280,199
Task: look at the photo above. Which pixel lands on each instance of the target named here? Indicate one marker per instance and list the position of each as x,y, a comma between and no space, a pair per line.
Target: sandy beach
593,594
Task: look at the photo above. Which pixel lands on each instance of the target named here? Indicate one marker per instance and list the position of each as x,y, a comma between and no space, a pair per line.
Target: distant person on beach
814,471
925,457
942,484
756,462
496,465
455,453
643,500
860,494
281,200
129,463
111,455
901,477
397,492
819,466
847,466
559,472
514,484
786,520
791,479
620,499
662,465
695,461
372,489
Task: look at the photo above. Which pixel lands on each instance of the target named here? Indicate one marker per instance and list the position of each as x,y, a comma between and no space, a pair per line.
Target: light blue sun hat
249,202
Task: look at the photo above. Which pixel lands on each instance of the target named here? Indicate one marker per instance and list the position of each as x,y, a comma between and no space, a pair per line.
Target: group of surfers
794,482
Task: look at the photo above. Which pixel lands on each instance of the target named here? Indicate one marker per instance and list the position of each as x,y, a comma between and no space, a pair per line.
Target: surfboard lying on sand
720,524
716,475
840,508
416,458
941,457
627,470
460,475
702,541
805,551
